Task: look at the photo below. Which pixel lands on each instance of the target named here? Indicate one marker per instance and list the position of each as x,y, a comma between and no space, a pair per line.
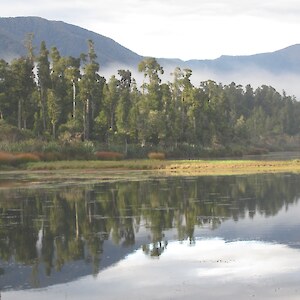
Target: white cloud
211,269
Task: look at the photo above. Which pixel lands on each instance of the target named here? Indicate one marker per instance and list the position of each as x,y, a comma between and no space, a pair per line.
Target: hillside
281,61
280,69
69,39
72,40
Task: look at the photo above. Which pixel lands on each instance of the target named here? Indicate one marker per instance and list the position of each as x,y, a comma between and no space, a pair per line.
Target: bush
157,155
109,155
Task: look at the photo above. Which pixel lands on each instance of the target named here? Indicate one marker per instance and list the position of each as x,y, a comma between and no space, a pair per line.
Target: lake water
214,237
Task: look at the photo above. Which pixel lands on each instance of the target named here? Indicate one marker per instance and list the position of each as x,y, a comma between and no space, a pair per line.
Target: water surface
229,237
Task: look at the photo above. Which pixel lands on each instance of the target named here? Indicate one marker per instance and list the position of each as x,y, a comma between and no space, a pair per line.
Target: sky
189,29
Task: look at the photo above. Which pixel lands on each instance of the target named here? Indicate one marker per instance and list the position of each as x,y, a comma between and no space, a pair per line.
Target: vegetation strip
174,167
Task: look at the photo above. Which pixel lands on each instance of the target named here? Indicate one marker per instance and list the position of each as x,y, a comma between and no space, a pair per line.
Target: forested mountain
70,39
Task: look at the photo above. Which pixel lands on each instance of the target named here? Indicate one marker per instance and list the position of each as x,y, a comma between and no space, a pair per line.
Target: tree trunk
19,114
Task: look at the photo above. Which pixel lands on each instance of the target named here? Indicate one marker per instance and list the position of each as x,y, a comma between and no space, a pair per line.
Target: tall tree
5,87
44,80
91,85
23,87
151,104
124,105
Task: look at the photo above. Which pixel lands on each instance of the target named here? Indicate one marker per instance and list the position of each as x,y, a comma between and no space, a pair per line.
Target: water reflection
58,235
211,268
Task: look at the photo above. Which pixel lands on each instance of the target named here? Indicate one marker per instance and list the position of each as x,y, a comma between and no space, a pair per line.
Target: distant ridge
281,61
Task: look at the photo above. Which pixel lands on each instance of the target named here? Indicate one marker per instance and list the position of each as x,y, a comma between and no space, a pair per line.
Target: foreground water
226,237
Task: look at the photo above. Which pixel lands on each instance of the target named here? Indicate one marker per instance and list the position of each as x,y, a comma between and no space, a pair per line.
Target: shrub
109,155
157,155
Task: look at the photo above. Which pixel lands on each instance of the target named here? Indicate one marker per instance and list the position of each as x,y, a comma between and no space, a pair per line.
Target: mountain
69,39
280,69
281,61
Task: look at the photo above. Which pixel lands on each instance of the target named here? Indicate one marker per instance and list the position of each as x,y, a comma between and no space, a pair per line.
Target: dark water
229,237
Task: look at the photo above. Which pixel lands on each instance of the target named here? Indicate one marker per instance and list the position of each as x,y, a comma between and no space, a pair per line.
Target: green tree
44,80
23,86
107,117
5,90
90,85
124,105
151,104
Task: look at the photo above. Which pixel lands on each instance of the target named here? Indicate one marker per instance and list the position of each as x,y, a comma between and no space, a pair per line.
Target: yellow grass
173,167
231,167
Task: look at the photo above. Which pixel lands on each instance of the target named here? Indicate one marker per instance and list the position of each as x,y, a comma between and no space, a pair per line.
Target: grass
175,167
232,167
10,159
61,173
157,155
109,155
97,164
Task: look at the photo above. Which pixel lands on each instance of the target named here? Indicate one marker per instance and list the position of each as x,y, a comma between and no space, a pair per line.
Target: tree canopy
62,97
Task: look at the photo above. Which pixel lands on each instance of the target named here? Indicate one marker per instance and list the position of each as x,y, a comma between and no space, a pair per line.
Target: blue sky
190,29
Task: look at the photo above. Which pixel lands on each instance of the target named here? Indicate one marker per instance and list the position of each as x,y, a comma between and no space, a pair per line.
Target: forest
48,98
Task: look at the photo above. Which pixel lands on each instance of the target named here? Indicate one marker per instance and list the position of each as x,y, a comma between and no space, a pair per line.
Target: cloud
210,269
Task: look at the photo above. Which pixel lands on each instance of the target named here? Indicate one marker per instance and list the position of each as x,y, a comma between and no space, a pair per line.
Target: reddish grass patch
109,155
7,158
26,157
157,155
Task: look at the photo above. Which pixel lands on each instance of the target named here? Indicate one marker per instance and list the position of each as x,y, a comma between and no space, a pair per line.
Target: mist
288,82
256,77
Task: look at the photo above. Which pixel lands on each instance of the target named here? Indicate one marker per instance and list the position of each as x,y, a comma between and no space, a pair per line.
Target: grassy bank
174,167
67,173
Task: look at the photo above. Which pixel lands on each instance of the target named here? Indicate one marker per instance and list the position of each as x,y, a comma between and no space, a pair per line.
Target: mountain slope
72,40
281,61
284,61
69,39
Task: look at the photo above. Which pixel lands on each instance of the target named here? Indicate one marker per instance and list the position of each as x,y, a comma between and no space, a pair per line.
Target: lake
211,237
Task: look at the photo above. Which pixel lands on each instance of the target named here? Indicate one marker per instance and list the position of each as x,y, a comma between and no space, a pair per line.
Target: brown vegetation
11,159
108,155
157,155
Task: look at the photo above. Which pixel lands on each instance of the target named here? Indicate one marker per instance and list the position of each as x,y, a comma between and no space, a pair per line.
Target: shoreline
76,171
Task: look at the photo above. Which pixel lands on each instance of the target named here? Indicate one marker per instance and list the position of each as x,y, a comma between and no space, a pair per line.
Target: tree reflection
155,249
54,227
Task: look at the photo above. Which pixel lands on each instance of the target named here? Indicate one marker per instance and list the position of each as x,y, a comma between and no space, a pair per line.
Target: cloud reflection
214,269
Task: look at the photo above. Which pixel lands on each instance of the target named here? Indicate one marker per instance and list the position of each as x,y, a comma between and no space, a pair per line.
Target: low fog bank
256,77
288,82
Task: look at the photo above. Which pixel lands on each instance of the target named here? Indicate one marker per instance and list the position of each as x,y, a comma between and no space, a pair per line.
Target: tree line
64,98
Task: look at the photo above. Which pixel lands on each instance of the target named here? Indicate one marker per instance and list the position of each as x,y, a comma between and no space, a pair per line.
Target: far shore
72,173
172,167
